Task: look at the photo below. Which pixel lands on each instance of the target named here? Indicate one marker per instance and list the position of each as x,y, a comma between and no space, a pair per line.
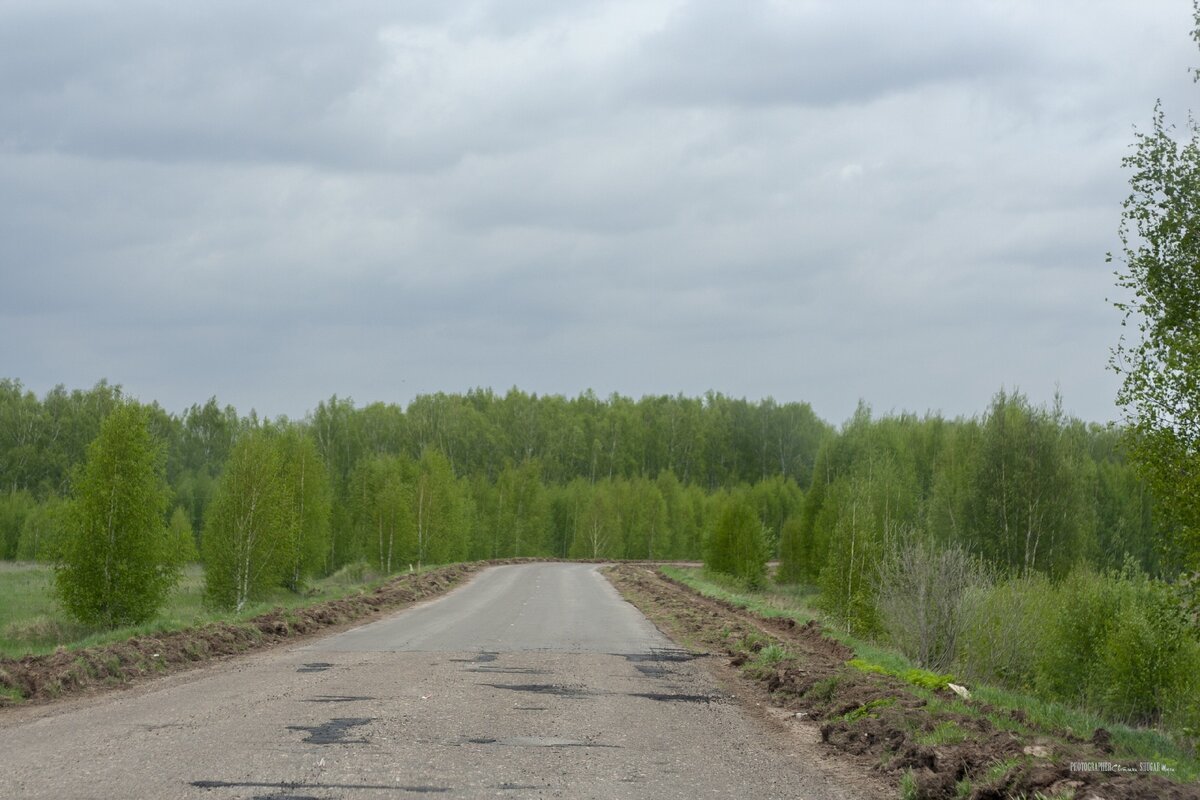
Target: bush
1003,630
1116,642
918,596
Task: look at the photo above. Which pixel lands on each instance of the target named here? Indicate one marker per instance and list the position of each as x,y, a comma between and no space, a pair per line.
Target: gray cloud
811,200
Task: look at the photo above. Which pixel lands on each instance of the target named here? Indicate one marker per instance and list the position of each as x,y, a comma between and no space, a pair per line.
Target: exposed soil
881,721
65,672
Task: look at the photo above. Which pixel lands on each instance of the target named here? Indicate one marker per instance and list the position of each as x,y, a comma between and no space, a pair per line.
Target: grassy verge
32,623
116,658
1008,737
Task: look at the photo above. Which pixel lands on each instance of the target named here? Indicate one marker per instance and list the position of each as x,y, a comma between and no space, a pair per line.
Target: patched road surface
531,681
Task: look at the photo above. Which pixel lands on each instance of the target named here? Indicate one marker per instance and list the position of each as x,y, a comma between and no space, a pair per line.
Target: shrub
1003,629
918,595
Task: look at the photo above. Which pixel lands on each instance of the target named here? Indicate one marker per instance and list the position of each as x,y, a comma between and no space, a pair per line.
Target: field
31,621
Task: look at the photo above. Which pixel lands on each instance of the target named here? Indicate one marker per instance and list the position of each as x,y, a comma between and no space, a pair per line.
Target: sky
907,204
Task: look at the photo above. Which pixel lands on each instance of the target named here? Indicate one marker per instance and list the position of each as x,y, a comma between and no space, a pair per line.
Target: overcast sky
908,203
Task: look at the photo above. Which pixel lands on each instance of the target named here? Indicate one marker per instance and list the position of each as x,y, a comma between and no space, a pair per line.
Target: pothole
338,698
334,731
480,658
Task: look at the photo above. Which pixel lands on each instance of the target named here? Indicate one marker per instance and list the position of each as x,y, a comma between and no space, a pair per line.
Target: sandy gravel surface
531,681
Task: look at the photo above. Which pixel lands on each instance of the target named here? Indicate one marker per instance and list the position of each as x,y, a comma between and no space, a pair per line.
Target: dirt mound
880,719
69,672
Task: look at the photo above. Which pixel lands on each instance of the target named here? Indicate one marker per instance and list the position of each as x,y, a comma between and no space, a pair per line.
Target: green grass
943,733
774,601
1130,744
31,621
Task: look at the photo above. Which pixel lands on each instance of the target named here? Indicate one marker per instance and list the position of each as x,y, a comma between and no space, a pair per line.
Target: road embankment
929,741
71,672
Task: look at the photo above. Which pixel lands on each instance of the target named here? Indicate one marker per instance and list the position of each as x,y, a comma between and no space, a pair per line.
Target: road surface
531,681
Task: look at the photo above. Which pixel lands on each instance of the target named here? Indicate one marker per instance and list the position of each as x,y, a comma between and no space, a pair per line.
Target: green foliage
1160,365
440,506
245,530
382,512
15,506
922,678
1117,642
309,498
925,679
1004,628
737,546
117,561
43,531
179,529
1026,507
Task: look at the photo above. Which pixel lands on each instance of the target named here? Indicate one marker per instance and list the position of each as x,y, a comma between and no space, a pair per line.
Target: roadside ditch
925,739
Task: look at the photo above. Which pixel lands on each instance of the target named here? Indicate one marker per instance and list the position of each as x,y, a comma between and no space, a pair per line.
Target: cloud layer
811,200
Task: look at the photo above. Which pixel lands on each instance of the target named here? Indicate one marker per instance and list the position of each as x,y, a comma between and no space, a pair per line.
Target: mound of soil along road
71,672
938,753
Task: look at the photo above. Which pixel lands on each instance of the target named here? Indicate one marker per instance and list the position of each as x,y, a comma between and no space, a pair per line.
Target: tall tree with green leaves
1160,362
245,530
117,562
737,545
309,497
439,505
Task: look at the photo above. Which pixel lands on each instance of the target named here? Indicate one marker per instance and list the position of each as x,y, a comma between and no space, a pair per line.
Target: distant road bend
532,681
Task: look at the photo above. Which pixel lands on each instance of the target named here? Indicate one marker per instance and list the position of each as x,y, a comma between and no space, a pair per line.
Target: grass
1130,744
32,623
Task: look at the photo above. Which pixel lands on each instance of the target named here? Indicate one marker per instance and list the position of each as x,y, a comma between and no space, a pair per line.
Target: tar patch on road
542,688
288,787
482,658
659,655
665,697
538,741
316,666
509,670
334,731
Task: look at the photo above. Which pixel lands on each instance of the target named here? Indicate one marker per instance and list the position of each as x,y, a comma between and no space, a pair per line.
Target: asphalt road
531,681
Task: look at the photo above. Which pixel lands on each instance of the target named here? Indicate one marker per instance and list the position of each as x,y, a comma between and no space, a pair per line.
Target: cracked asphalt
531,681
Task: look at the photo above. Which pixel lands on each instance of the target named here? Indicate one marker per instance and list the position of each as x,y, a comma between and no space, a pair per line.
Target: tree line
480,475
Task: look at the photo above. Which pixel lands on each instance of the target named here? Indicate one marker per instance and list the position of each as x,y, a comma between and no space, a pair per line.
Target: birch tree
245,532
117,562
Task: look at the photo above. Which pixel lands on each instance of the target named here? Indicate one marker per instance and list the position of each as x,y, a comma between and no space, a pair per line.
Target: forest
983,544
484,475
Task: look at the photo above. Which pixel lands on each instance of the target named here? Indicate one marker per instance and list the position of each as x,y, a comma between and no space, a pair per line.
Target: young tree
245,528
309,497
737,545
1160,366
438,502
117,562
183,537
382,501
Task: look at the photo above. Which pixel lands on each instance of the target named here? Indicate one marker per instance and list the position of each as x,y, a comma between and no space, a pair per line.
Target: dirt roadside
72,673
878,722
